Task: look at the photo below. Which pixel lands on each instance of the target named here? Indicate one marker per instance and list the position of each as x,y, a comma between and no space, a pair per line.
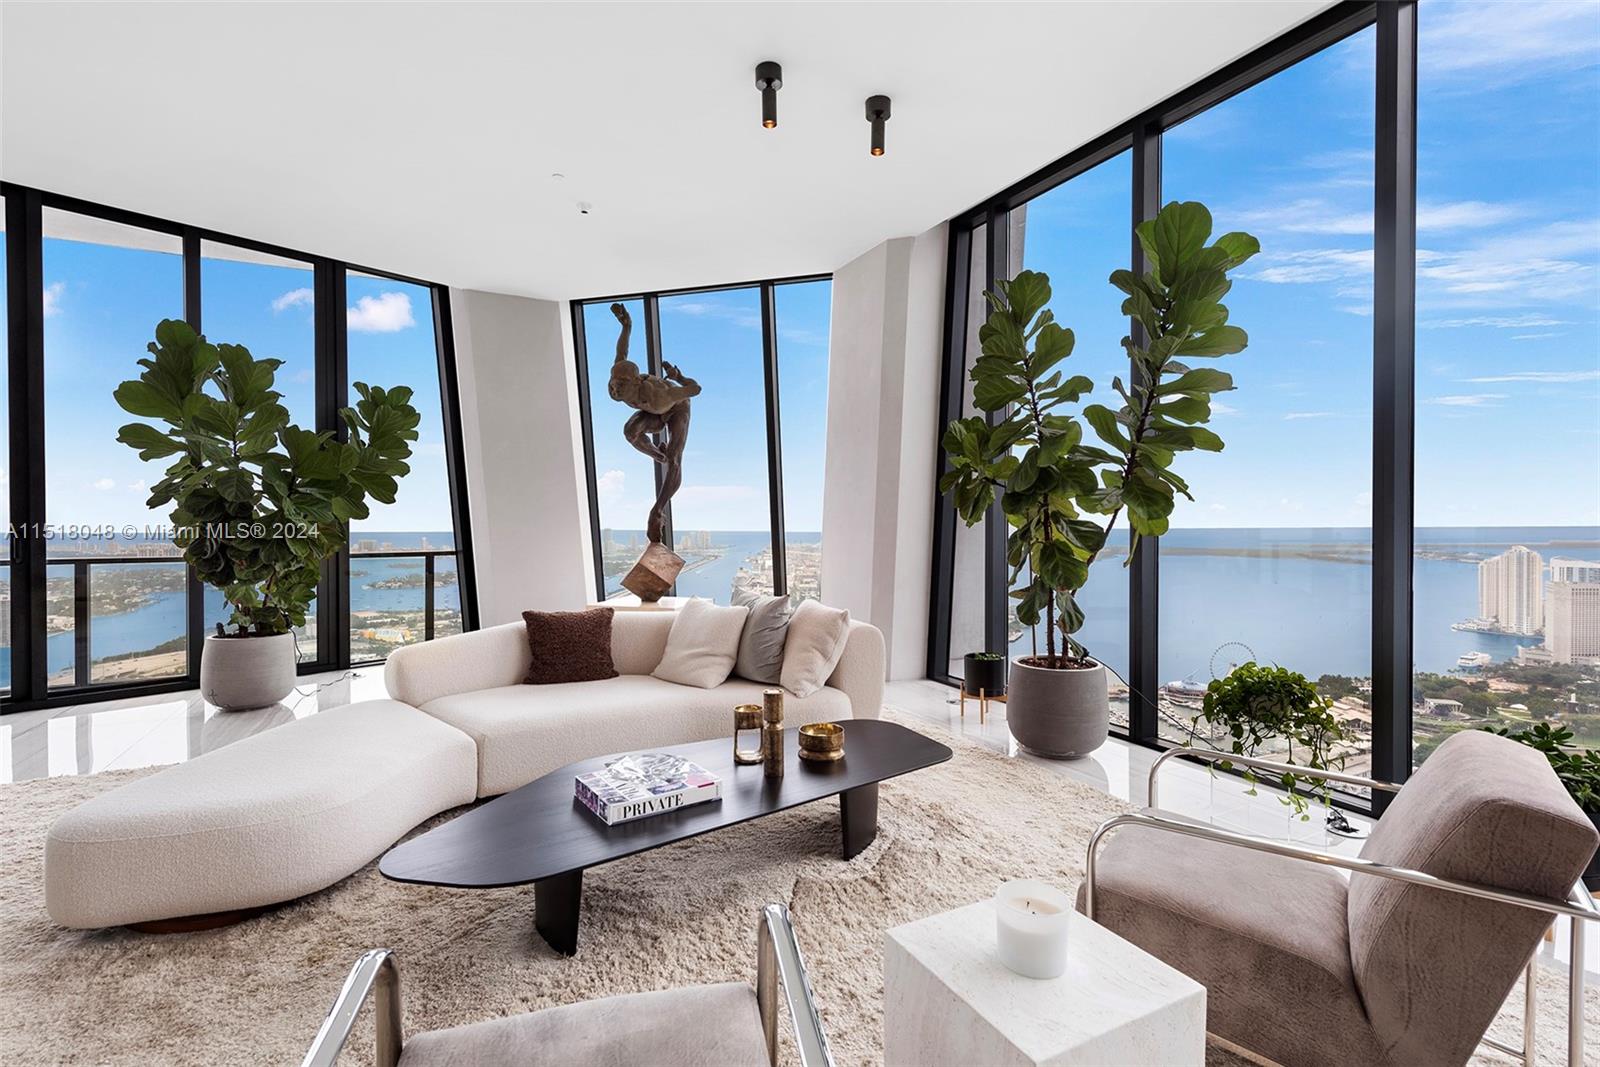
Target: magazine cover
644,784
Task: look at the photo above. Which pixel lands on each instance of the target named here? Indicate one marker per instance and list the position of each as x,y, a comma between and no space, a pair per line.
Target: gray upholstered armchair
1407,960
731,1023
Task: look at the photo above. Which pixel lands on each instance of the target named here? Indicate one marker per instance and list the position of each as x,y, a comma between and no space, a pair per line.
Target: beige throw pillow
815,644
702,645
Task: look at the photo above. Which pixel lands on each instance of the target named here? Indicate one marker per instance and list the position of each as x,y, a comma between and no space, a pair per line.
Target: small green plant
1254,705
986,657
1578,768
257,503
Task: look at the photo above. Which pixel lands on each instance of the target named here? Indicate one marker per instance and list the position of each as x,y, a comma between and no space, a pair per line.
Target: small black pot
1591,873
985,675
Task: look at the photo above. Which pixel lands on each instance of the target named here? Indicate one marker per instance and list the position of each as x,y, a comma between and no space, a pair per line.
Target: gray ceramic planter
237,673
1061,714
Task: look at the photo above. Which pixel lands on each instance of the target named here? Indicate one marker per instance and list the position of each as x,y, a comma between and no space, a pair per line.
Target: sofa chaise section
267,819
474,682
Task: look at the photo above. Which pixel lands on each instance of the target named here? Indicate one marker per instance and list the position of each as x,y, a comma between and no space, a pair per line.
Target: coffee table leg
858,818
555,910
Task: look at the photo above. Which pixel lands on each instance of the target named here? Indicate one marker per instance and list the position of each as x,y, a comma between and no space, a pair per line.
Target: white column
521,436
883,398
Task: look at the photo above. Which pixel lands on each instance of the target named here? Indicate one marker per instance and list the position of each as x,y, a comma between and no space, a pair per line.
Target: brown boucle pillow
569,646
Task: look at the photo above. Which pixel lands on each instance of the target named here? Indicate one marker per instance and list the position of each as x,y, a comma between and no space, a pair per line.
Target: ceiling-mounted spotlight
877,114
769,79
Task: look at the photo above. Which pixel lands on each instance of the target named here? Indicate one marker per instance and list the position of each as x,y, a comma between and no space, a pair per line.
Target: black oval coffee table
542,834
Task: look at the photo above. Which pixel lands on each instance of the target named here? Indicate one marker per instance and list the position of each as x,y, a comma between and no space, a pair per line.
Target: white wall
883,396
522,442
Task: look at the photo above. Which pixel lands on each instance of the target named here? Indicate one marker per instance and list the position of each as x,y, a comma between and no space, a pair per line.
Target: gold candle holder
747,717
772,732
821,742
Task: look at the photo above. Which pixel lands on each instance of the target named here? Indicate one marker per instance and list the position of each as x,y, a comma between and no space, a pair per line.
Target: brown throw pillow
569,646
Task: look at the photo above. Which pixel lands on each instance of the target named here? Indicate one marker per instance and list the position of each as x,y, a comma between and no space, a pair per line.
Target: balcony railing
429,558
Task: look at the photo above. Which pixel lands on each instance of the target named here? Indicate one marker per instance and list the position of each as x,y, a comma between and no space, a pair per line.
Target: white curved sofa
474,683
293,810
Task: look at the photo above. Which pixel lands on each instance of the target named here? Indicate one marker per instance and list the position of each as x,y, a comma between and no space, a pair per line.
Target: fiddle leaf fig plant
257,503
1061,493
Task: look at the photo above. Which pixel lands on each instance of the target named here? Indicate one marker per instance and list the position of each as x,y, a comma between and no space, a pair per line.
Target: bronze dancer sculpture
659,428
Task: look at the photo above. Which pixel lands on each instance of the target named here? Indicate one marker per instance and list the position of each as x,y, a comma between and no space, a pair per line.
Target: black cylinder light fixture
877,114
769,79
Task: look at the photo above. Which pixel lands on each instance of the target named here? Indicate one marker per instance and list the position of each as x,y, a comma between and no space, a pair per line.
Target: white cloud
1314,215
52,298
1498,322
1503,43
1543,264
1223,409
1438,217
385,313
138,486
1536,336
1296,415
1543,377
1313,265
103,484
294,298
1468,400
711,309
610,485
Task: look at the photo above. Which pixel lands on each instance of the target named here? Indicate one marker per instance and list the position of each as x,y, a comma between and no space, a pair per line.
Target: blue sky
102,304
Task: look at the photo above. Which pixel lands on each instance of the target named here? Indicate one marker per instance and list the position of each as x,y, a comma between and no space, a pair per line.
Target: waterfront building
1574,570
1572,622
1511,590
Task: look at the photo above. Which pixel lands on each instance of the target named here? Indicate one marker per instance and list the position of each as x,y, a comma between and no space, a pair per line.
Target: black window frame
652,335
24,206
1394,315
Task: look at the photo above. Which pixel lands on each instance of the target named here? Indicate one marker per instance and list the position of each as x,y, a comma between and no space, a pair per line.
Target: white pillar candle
1031,928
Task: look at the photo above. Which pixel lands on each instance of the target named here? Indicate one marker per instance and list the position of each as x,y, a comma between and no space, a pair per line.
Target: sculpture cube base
652,576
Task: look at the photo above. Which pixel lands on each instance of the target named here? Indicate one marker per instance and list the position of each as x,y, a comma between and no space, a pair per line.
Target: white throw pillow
815,644
702,645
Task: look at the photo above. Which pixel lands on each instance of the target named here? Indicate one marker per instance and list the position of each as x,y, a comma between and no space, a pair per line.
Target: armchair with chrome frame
1406,960
728,1023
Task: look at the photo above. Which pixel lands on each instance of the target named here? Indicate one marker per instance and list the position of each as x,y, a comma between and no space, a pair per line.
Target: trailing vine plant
1253,705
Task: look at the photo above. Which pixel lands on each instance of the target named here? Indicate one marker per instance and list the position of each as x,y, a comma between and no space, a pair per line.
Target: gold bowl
822,741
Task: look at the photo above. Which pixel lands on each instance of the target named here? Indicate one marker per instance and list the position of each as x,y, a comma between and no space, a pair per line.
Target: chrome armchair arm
1579,905
779,963
374,968
1206,755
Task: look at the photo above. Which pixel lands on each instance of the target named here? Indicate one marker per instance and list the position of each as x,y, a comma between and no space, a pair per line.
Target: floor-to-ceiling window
1507,572
108,618
92,577
1465,592
404,584
1271,561
759,355
803,310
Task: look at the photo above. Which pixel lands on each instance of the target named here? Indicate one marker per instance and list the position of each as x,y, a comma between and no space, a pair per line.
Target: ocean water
1299,597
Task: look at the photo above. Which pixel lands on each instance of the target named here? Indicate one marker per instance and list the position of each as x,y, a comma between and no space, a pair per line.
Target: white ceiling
422,138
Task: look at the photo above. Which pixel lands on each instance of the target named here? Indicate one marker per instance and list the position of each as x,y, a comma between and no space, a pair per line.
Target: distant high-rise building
5,620
1572,622
1511,590
606,543
1574,570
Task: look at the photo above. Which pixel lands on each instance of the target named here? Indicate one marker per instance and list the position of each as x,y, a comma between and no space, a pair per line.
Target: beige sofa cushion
816,642
266,819
690,1027
523,732
702,644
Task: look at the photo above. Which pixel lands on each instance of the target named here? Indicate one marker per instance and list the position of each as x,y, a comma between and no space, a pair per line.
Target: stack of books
645,784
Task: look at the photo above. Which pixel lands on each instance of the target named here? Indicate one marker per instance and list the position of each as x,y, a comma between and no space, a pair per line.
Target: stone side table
949,1001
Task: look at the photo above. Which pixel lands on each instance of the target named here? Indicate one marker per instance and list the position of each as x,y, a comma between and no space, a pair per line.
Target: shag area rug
256,992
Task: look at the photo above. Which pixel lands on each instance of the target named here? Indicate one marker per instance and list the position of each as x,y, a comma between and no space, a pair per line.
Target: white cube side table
947,1000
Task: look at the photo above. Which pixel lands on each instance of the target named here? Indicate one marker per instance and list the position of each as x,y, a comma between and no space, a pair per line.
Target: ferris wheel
1232,659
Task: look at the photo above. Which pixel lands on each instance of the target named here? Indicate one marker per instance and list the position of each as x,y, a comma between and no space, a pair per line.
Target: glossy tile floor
153,731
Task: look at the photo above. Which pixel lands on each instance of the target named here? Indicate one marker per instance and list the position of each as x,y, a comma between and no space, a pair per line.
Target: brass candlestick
772,732
747,717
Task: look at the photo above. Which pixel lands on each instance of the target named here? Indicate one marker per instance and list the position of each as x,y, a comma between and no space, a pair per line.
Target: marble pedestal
949,1001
